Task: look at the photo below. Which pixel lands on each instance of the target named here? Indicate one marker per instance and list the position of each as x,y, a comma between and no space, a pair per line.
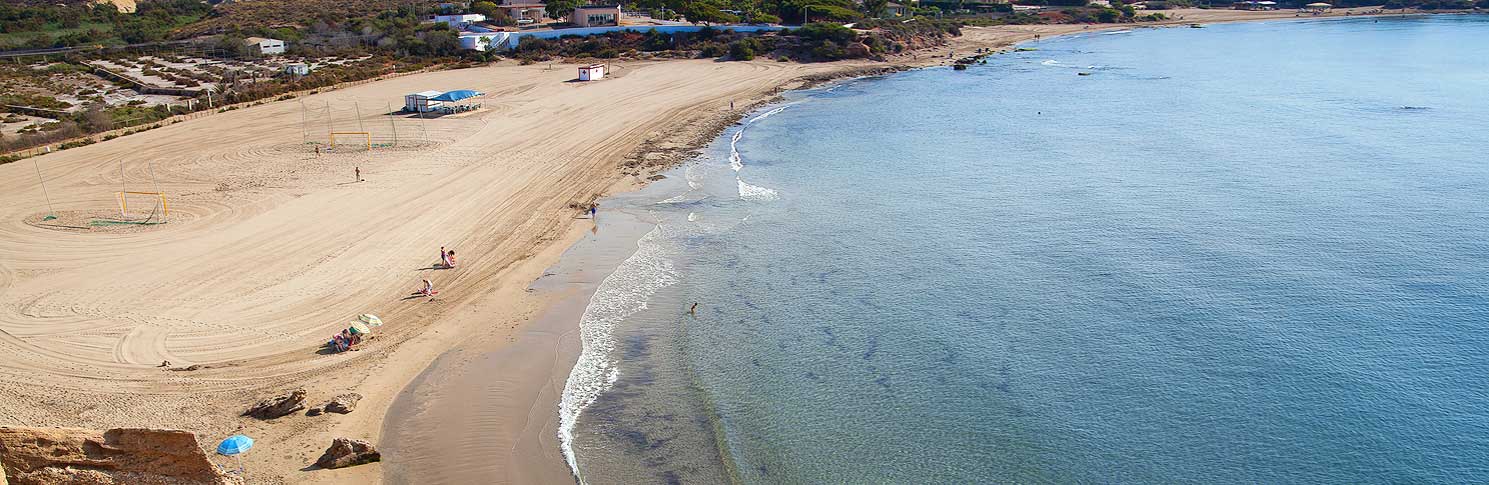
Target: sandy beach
271,248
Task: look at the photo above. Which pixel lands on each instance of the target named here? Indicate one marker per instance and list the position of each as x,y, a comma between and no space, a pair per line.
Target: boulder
315,411
857,51
117,456
277,406
348,452
343,404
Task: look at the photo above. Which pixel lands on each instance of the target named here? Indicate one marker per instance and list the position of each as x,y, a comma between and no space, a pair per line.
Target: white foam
1050,62
675,199
756,192
692,217
746,190
620,295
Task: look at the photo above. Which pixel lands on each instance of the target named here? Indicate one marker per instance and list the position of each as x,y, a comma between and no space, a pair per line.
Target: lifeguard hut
592,72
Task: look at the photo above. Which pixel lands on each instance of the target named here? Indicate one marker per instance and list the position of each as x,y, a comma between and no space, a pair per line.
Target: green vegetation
45,26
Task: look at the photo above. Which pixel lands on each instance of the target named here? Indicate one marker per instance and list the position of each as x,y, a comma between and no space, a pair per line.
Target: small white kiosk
592,72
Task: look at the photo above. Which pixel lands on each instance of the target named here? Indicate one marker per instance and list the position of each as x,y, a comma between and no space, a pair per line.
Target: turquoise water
1249,253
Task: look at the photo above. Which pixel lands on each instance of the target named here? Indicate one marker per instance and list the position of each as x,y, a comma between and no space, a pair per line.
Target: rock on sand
277,406
346,452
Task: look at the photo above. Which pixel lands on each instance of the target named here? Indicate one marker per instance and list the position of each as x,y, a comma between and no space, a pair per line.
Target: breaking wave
619,295
748,191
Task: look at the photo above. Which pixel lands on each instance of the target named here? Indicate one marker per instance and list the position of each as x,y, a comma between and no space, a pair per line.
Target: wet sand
495,403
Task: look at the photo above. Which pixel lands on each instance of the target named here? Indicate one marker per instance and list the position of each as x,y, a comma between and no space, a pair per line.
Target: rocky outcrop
343,404
277,406
348,452
35,456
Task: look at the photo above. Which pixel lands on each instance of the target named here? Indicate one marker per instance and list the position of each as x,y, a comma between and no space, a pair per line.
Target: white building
484,41
297,69
420,102
459,21
592,72
263,46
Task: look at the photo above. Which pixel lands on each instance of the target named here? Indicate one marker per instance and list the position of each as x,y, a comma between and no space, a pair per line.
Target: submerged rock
277,406
346,452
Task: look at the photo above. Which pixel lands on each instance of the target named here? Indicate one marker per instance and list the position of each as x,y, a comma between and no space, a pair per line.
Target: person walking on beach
593,209
357,171
444,258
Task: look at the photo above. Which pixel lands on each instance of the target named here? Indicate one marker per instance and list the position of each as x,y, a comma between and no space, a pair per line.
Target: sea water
1249,253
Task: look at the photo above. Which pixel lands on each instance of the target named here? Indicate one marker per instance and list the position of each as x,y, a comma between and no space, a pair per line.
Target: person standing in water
593,209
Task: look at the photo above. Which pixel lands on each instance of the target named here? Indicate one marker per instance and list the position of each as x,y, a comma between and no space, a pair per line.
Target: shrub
743,49
765,18
712,49
825,31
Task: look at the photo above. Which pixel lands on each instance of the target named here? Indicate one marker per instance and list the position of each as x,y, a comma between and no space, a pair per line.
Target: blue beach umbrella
234,446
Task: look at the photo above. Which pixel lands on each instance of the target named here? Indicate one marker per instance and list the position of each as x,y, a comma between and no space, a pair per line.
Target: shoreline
489,305
993,38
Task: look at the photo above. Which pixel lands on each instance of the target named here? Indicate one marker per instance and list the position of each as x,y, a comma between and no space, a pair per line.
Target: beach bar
422,101
1256,5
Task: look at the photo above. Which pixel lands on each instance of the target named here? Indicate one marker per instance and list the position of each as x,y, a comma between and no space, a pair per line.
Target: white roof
428,94
259,40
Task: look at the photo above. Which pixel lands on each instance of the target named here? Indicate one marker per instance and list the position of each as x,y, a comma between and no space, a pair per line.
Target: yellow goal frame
124,203
365,134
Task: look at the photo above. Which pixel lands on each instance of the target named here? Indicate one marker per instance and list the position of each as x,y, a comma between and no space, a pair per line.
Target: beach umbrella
371,319
359,327
234,446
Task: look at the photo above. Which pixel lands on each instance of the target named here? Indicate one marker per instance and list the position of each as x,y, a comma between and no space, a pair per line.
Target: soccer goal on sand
154,208
366,137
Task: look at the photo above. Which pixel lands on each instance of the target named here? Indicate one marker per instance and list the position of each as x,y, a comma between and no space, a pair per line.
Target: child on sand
444,257
450,258
427,290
